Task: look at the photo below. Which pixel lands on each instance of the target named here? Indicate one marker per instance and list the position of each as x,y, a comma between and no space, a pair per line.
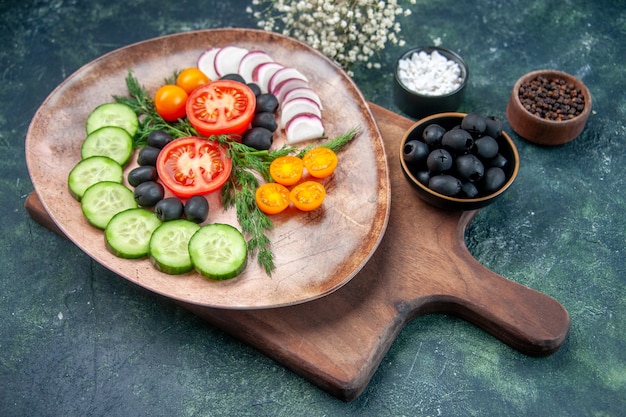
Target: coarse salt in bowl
429,80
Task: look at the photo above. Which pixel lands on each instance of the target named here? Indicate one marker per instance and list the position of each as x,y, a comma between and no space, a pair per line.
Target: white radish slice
262,74
282,75
304,127
249,62
228,58
293,108
206,63
286,86
301,92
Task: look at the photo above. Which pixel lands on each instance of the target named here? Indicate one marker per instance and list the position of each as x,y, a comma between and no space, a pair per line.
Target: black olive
459,141
196,209
486,147
258,138
255,88
445,184
142,174
170,208
494,179
233,77
470,190
423,177
494,126
439,160
474,123
266,102
148,193
469,167
159,138
498,161
265,119
415,152
432,135
148,156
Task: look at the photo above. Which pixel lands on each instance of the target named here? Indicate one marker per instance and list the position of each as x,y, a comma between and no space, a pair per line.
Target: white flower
347,31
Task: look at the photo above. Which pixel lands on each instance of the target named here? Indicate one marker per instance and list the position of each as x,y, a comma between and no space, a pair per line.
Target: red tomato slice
193,166
221,107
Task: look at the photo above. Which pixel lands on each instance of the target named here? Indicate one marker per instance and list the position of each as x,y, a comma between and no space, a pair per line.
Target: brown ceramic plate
315,253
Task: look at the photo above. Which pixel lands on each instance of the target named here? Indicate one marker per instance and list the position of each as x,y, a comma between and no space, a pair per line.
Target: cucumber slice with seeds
92,170
169,244
218,251
113,114
111,141
105,199
128,233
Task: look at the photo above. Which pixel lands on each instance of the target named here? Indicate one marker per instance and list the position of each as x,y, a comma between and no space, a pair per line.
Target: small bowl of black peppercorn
459,161
549,107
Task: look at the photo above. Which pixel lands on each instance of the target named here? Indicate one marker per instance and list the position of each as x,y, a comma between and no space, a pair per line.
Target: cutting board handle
525,319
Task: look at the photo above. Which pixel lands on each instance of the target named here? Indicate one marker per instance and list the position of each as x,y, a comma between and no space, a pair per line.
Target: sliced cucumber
169,244
113,114
92,170
111,141
218,251
105,199
128,233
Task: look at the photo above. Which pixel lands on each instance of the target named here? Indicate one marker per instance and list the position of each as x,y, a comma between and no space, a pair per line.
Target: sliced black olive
266,102
258,138
170,208
486,147
159,138
142,174
148,155
432,135
439,160
196,209
469,167
265,119
459,141
415,152
233,77
445,184
148,193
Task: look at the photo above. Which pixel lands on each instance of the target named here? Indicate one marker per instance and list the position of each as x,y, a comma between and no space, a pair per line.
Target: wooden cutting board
422,266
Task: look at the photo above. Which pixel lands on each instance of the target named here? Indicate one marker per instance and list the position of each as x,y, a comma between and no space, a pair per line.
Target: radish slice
288,85
282,75
304,127
249,62
262,74
293,108
301,92
206,63
227,60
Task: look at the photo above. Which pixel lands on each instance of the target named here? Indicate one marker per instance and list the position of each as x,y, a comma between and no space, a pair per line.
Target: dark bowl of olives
459,161
548,107
429,80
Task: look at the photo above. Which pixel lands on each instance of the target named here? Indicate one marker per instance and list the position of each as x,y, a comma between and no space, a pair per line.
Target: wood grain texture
422,266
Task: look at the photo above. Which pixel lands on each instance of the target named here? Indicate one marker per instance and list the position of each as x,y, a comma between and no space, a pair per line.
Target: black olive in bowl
429,80
467,172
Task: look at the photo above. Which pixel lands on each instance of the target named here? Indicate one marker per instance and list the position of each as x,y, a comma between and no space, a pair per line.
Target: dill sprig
149,120
249,166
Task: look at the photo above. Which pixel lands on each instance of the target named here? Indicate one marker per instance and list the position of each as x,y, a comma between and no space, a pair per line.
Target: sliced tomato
308,195
272,198
193,166
286,170
222,107
320,162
